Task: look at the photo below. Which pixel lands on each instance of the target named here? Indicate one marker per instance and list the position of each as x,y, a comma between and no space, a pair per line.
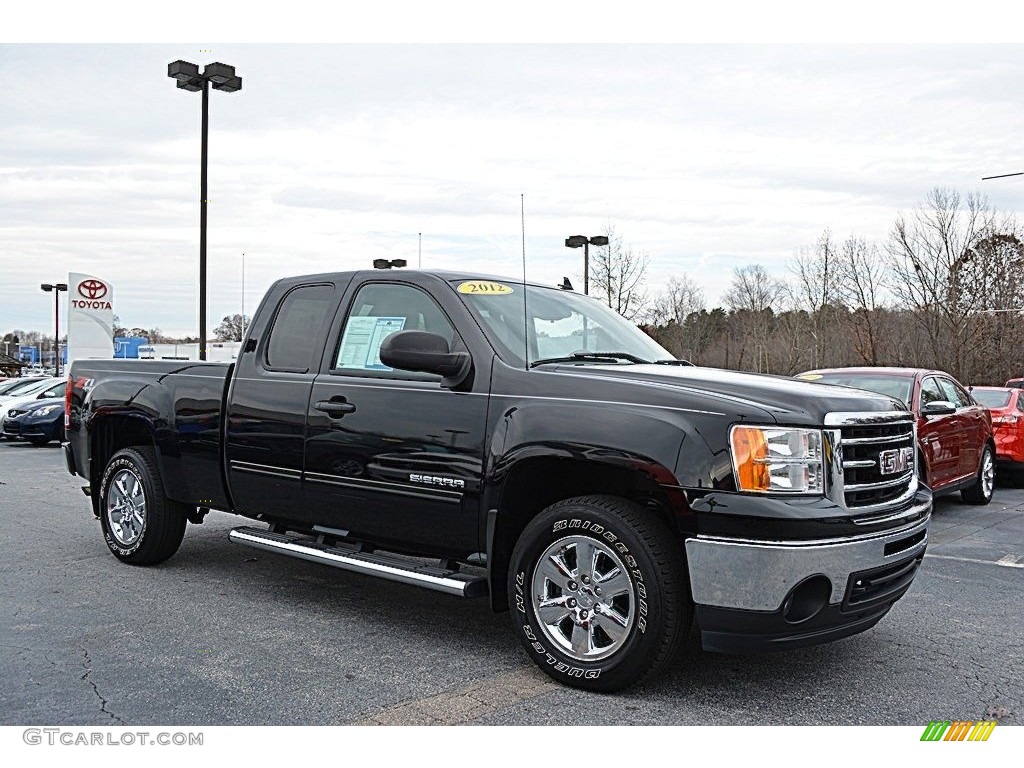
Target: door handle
335,407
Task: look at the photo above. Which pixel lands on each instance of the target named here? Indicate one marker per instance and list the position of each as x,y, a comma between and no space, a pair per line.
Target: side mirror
427,353
938,408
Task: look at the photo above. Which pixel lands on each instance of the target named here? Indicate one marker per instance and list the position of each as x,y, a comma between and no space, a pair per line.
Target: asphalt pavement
226,635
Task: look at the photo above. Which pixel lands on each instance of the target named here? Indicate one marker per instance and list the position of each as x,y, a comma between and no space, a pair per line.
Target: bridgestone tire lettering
655,566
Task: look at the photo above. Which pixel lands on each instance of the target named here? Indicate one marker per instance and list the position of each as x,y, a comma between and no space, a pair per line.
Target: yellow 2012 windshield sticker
484,288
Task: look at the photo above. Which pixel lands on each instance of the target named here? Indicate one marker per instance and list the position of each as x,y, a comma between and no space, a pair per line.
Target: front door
939,437
391,456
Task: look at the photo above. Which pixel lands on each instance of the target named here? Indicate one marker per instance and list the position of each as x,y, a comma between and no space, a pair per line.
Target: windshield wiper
673,362
590,357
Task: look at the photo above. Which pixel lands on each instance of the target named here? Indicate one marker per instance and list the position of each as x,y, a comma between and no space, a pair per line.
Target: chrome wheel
583,598
126,507
988,473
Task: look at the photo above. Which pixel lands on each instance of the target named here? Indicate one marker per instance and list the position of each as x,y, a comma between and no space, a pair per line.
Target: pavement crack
87,663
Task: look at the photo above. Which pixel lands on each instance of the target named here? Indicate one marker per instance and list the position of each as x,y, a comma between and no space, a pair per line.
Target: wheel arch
533,484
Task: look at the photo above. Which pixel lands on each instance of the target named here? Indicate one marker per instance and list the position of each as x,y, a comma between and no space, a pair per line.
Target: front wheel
140,524
599,592
981,491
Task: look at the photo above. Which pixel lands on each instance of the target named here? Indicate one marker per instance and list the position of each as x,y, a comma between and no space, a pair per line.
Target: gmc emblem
895,460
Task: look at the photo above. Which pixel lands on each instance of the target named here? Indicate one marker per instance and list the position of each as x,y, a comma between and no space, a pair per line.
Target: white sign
90,317
360,346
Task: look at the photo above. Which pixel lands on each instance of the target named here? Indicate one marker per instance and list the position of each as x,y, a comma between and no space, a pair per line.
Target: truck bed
181,402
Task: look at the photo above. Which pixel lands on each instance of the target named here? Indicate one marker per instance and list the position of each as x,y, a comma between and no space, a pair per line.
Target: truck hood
786,400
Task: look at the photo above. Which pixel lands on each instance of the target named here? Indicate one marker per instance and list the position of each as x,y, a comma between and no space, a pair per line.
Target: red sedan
1006,407
956,448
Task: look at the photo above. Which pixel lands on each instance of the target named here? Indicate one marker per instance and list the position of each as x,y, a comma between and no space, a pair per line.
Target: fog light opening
806,599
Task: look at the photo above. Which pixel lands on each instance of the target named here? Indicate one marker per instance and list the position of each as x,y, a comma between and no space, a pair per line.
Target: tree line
944,290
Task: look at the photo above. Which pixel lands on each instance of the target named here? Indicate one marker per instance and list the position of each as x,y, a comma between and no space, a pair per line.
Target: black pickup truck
489,438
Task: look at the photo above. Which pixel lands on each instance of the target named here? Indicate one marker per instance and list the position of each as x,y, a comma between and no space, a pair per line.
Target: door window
380,309
954,393
298,325
930,391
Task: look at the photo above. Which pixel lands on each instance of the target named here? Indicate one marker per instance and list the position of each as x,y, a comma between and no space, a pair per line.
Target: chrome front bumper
759,575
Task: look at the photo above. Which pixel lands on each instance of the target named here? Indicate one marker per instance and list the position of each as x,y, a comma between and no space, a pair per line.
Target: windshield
557,323
899,387
991,398
23,387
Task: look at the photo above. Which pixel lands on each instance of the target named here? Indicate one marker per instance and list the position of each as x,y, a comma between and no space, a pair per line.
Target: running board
391,567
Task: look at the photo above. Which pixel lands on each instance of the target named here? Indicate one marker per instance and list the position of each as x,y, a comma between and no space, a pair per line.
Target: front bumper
759,595
10,428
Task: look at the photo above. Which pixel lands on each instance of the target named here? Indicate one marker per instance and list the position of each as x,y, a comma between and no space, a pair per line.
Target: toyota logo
92,289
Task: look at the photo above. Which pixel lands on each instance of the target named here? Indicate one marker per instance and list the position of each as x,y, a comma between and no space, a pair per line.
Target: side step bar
391,567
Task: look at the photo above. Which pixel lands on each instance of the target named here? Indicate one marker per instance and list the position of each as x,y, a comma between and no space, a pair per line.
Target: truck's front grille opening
867,588
878,462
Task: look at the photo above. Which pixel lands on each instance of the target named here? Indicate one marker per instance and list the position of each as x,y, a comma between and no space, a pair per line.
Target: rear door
269,395
972,425
939,437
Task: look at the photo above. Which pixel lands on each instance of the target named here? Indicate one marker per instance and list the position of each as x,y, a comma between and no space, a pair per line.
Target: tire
599,642
981,491
139,534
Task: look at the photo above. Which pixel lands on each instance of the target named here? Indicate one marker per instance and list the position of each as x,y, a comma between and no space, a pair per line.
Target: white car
54,386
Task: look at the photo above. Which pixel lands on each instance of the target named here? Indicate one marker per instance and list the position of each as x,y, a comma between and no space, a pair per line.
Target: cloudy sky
705,157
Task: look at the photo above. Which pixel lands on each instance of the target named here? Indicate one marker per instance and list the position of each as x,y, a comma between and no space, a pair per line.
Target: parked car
542,450
13,386
38,421
46,389
1006,407
956,445
1014,384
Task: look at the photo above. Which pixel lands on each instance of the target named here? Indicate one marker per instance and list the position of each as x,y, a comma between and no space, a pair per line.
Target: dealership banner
90,317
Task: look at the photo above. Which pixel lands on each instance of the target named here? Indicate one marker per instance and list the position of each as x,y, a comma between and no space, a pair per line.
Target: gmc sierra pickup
538,449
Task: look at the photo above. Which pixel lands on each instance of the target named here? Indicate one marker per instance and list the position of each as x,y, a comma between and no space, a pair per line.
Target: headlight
12,413
777,459
48,409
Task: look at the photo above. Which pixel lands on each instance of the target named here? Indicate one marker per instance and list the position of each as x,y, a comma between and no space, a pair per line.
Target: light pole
55,289
223,78
577,241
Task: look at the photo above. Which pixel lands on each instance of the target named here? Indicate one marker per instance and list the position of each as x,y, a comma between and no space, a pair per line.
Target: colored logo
958,730
484,288
92,289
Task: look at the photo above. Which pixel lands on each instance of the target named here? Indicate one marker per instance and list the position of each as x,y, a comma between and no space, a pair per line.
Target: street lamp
55,289
385,264
223,78
577,241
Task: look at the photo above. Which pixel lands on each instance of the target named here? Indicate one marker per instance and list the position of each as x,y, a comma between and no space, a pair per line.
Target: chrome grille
864,483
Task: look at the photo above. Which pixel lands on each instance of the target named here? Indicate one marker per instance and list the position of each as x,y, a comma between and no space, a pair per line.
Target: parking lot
222,634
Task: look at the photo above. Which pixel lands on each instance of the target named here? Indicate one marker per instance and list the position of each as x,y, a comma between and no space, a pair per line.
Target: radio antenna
526,320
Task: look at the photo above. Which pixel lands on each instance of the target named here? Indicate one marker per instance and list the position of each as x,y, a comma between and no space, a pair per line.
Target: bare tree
935,273
682,314
618,275
861,273
817,291
752,297
231,328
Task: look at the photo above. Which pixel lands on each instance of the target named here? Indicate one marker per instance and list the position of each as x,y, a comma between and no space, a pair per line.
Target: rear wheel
140,524
600,593
981,491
